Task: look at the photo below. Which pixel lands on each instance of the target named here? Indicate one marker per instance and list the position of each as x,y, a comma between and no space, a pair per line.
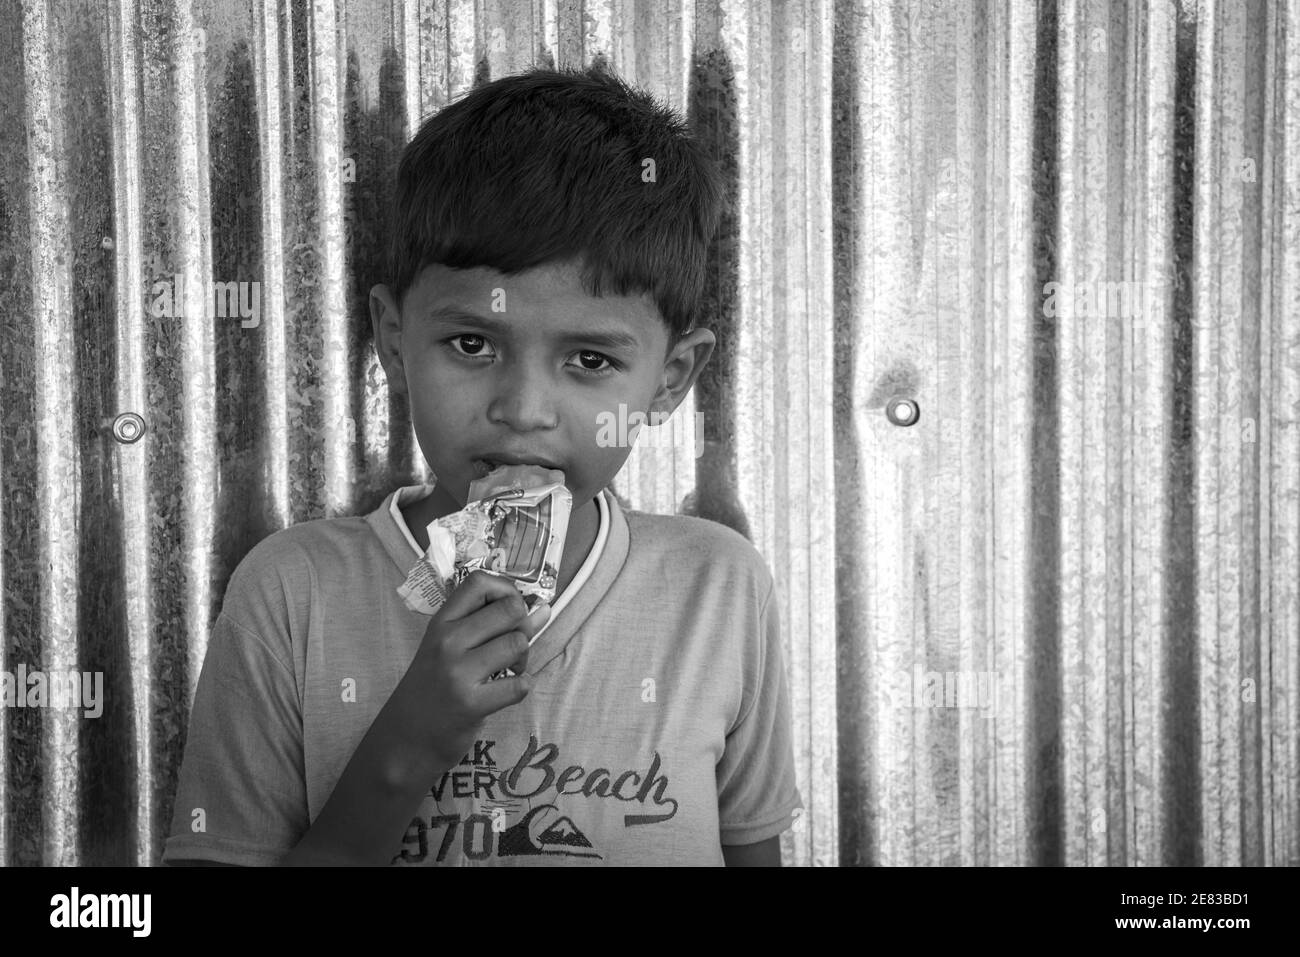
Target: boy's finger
479,589
492,656
495,695
503,615
535,620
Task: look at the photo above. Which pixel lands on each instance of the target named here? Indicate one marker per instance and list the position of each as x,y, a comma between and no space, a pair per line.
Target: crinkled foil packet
511,530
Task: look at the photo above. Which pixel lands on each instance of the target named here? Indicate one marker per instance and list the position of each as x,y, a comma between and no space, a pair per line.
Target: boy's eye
587,359
471,345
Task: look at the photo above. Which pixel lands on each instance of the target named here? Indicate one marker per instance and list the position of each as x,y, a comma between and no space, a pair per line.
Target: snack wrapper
506,529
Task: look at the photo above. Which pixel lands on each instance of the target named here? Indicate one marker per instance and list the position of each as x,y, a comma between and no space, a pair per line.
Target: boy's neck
584,524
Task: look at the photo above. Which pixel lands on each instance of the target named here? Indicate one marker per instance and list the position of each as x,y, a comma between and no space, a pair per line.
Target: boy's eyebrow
610,338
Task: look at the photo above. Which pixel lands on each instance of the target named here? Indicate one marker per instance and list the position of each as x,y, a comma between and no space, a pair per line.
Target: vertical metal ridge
803,467
411,46
911,334
930,565
763,434
1206,436
977,736
7,503
58,453
569,33
492,28
375,430
1012,39
1105,817
628,44
1018,358
987,393
1120,825
1087,352
744,35
328,65
462,50
822,780
1216,345
6,496
878,298
1106,547
1251,57
546,31
672,79
1224,848
1235,328
597,29
433,57
1272,80
653,39
1071,357
1148,445
194,257
5,840
124,58
1283,754
269,78
508,32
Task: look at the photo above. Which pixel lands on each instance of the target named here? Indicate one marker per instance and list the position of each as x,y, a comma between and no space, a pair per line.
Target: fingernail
538,607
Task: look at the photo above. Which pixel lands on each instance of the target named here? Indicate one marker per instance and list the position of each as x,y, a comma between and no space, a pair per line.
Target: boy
550,232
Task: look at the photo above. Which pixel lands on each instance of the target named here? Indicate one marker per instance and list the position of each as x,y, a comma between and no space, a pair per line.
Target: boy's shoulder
281,571
315,540
690,544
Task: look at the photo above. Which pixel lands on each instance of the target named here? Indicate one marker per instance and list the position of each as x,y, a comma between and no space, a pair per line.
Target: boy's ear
682,367
386,321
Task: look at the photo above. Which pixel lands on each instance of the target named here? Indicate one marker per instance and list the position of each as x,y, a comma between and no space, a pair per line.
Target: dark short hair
547,166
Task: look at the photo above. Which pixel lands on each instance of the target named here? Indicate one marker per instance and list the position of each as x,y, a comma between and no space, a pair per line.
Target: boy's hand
484,626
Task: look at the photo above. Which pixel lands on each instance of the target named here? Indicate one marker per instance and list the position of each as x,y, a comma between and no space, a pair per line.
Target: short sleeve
756,778
242,796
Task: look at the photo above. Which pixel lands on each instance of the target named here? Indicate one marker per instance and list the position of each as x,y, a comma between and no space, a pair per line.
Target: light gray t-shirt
658,727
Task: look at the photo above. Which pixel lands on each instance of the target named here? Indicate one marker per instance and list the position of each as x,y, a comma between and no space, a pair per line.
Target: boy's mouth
484,466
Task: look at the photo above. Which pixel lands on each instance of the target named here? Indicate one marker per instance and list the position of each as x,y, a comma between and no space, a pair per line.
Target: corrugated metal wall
1098,511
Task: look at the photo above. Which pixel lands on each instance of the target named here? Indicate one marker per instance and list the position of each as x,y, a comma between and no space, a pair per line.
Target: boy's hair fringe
546,166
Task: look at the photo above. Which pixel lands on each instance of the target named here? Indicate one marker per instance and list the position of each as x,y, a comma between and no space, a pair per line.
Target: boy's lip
507,458
483,465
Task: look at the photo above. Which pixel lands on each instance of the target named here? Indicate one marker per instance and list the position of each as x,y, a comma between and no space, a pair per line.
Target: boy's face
527,368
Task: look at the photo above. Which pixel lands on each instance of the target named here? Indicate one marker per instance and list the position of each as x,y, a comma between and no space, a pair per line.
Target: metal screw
903,411
128,427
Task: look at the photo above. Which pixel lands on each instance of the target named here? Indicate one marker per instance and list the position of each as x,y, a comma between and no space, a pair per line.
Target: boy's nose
525,401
